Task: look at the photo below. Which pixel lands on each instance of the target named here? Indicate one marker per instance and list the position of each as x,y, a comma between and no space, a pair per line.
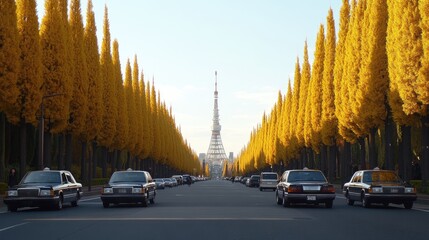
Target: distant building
202,157
231,157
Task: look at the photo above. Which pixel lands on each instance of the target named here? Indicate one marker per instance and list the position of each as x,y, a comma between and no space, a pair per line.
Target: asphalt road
216,210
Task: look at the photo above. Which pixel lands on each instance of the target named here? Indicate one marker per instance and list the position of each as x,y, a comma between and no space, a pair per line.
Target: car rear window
306,176
380,177
269,176
127,177
42,177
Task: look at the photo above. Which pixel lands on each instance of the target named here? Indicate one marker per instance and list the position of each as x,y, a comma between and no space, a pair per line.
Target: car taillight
294,189
328,189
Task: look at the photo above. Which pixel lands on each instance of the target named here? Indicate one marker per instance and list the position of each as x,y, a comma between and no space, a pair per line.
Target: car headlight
376,190
410,190
46,192
12,193
107,190
137,190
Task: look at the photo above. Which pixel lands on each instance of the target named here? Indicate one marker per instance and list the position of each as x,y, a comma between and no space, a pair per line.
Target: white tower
216,153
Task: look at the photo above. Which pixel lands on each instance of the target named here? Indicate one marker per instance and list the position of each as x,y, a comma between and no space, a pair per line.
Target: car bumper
309,198
390,198
31,202
123,198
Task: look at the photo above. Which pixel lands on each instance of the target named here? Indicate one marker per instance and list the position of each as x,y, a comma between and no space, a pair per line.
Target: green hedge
3,188
421,188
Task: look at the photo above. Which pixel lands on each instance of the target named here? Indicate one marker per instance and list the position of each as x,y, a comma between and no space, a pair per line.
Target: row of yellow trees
85,97
368,89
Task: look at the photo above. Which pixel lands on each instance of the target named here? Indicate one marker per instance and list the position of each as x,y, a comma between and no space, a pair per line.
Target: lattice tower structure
216,152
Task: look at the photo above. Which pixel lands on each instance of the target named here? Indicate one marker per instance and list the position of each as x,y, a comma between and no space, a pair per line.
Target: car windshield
306,176
269,176
42,177
127,177
255,177
381,177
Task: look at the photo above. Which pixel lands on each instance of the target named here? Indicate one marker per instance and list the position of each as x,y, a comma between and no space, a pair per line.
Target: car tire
59,204
350,202
278,200
408,205
329,204
145,203
365,202
12,208
285,202
74,203
152,201
386,204
260,189
106,204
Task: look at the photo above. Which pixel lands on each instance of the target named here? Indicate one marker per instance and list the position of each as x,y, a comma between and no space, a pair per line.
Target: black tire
12,208
329,204
145,203
285,202
278,200
386,204
350,202
365,202
106,204
408,205
260,189
152,201
59,204
74,203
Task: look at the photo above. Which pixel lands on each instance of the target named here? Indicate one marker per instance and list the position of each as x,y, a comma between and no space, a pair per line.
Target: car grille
393,190
28,192
122,190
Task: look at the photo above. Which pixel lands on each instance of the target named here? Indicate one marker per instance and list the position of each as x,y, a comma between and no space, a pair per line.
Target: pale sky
252,44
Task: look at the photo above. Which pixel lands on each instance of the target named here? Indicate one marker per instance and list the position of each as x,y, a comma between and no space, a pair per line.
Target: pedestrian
189,180
12,177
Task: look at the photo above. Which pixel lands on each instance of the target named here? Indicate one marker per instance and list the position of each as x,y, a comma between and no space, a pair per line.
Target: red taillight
294,189
328,189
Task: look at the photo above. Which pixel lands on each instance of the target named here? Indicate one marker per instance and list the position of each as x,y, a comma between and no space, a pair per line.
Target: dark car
304,186
160,183
43,189
254,181
379,186
129,186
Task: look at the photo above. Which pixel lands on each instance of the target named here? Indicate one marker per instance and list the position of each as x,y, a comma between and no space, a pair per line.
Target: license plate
311,198
311,188
122,190
394,190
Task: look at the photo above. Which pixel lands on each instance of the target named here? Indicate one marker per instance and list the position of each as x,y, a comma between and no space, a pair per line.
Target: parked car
168,182
160,183
174,181
254,181
129,186
268,180
379,186
304,186
179,179
44,188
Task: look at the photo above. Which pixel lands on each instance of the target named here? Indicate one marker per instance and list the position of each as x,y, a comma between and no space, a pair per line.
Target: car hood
130,184
36,185
386,184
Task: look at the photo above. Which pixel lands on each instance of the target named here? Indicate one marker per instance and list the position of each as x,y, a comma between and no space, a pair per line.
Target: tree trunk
127,164
94,159
323,163
61,152
406,151
388,144
104,162
83,162
69,151
23,148
3,147
310,162
424,166
362,153
47,150
372,148
346,162
331,162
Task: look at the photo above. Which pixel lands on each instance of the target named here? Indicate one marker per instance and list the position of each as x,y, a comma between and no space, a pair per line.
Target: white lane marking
17,225
167,219
89,199
3,212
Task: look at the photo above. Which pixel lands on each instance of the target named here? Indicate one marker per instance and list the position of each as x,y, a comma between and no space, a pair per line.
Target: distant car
254,181
160,183
179,179
304,186
168,182
44,188
244,180
379,186
268,180
129,186
174,181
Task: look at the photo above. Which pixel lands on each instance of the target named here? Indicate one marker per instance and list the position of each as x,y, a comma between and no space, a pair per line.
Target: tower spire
216,153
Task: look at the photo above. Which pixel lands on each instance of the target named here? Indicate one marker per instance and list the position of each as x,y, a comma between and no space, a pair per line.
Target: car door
281,185
151,186
72,187
65,187
355,186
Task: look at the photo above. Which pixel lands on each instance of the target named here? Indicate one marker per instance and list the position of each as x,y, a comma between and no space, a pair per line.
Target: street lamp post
42,129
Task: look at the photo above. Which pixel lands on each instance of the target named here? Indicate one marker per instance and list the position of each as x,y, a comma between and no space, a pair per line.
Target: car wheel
12,208
145,203
74,203
408,205
365,202
59,205
285,202
386,204
152,201
279,200
329,204
350,202
260,189
106,204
